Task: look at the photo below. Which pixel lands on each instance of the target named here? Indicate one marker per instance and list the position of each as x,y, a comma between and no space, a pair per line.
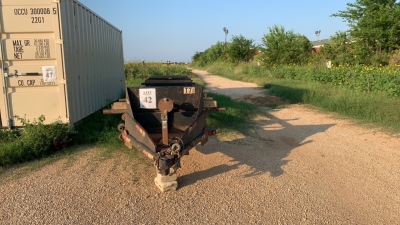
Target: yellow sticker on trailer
189,90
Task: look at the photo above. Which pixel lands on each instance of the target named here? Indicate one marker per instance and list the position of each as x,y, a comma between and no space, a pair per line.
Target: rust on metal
165,118
113,111
123,116
192,127
165,104
118,105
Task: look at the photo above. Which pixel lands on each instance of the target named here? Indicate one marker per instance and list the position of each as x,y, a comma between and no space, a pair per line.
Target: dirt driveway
300,167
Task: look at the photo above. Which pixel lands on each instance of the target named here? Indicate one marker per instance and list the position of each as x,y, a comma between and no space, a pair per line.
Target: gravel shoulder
300,167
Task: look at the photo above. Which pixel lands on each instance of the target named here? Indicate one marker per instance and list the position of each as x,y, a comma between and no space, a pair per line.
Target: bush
36,140
137,72
395,58
368,79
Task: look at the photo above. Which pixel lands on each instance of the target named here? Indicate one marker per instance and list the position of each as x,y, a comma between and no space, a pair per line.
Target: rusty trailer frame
165,118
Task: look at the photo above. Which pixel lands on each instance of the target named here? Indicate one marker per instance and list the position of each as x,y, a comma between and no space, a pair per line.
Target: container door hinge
62,82
56,1
59,41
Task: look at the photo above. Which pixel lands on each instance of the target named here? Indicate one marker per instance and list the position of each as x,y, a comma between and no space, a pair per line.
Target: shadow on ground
264,151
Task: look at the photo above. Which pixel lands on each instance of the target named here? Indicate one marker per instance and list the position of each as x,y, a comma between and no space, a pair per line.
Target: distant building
318,44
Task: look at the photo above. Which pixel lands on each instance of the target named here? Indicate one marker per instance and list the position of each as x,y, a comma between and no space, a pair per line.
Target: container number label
147,98
37,19
189,90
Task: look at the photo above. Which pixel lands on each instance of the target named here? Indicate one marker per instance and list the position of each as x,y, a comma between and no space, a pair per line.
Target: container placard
147,98
49,74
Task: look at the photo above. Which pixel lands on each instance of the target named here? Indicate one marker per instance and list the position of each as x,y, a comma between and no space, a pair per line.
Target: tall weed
36,140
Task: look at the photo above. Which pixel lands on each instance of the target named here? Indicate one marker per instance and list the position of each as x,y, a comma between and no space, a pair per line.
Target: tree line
373,38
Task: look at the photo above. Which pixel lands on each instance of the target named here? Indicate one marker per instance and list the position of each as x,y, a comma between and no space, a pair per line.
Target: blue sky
161,30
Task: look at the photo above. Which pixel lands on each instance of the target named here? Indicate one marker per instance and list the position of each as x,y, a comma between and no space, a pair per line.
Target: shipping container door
32,71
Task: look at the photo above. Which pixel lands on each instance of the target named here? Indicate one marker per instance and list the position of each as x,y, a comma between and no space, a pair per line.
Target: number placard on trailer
189,90
147,98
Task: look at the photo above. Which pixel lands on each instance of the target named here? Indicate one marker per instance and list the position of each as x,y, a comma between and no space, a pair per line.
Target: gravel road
300,167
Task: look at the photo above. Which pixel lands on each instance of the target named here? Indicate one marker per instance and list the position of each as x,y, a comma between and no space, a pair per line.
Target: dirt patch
267,101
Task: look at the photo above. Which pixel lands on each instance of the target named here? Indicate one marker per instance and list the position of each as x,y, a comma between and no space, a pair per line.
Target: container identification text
35,11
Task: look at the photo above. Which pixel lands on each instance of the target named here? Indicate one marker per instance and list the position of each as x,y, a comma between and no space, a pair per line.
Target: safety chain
165,152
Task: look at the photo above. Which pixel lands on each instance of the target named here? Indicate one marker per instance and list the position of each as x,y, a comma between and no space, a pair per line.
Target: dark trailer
165,118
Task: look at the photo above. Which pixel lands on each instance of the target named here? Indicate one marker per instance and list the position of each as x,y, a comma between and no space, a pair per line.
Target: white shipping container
58,59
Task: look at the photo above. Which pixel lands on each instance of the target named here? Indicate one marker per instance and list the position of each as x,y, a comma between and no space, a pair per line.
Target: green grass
374,108
137,72
243,72
367,79
237,117
38,141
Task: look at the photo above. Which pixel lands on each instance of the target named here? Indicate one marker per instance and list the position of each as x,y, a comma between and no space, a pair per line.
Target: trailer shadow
192,178
264,151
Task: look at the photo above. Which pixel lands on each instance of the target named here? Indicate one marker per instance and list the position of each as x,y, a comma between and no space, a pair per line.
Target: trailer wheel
121,127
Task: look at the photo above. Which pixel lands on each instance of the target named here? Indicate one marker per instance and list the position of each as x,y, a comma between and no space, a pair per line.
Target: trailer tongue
165,118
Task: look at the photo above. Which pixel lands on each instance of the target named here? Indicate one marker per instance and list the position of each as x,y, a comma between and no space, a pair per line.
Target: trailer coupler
167,162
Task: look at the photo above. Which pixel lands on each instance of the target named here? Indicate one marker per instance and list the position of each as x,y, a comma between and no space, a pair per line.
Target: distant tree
285,47
196,56
213,54
374,25
240,49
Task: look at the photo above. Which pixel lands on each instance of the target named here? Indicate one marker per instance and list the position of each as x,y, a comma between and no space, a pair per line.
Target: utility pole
226,33
318,32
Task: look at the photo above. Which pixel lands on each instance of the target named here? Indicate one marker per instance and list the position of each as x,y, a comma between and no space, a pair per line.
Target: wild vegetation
373,40
137,72
356,74
35,141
